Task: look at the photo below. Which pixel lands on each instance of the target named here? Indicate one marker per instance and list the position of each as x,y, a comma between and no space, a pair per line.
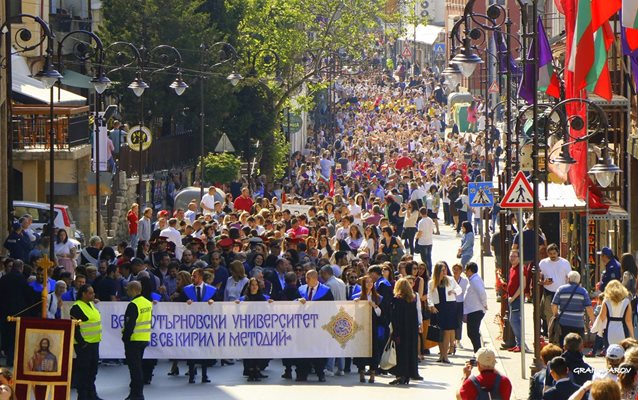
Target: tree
221,168
185,25
310,37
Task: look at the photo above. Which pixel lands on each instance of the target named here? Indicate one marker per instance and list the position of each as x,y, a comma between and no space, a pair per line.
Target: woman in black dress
369,293
405,325
443,290
252,367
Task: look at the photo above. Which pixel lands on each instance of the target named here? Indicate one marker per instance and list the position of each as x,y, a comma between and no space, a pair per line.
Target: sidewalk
508,363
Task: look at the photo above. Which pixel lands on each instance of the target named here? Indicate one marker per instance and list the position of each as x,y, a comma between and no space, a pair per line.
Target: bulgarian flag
630,14
582,53
598,80
591,41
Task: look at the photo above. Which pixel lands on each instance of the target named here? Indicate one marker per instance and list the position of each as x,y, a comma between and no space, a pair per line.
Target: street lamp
228,54
84,52
605,170
48,76
168,58
138,86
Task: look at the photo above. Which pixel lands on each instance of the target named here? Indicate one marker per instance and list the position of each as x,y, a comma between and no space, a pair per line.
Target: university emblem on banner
342,327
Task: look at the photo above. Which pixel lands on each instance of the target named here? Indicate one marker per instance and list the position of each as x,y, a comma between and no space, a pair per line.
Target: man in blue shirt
18,243
612,267
570,303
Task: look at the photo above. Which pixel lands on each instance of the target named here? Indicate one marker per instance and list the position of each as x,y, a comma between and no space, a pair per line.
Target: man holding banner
312,291
136,335
87,342
200,292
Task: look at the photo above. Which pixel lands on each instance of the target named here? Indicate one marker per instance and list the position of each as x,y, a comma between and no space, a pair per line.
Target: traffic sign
481,194
438,47
406,52
494,88
137,133
520,194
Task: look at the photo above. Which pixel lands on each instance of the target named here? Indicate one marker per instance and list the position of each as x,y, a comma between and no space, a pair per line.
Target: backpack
484,393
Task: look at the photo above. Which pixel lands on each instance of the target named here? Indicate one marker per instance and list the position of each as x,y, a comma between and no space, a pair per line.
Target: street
439,379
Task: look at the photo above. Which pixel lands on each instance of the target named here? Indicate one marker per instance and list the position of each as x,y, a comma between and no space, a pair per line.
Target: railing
165,153
31,125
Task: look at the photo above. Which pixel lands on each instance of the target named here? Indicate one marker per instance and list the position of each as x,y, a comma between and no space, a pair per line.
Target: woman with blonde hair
442,292
236,281
405,330
617,312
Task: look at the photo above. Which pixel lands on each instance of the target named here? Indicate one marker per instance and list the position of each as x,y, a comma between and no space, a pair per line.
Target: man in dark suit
564,387
198,291
15,297
289,293
278,278
312,291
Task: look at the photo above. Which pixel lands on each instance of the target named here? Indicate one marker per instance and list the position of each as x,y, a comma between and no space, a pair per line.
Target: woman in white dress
65,251
617,312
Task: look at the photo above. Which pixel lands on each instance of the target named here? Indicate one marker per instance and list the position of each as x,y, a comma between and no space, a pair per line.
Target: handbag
389,355
554,330
434,332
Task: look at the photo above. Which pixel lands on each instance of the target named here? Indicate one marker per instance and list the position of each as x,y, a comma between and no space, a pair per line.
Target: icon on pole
520,194
406,52
480,194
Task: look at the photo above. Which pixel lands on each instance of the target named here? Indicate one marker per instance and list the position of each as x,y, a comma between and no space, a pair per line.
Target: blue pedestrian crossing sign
480,194
439,48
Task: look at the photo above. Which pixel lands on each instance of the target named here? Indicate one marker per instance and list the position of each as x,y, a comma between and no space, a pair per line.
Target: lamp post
84,52
229,55
48,76
168,58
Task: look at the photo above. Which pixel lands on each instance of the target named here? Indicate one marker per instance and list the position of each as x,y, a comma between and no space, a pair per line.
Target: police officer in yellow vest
87,342
136,335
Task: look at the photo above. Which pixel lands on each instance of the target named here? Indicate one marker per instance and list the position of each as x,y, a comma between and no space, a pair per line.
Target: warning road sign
520,194
494,88
406,52
480,194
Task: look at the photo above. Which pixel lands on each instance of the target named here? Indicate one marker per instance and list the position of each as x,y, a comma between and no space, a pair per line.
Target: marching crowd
391,173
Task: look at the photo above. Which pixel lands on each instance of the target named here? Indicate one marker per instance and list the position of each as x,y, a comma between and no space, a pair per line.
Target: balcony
31,124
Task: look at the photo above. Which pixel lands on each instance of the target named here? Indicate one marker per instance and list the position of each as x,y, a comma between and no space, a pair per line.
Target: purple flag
501,49
544,71
633,56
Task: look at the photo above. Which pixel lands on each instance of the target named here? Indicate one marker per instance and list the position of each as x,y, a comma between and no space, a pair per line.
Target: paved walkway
440,380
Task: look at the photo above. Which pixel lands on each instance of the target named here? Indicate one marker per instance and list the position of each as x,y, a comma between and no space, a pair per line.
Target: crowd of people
375,188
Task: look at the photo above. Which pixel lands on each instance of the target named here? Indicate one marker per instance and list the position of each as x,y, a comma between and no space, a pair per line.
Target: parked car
187,194
40,213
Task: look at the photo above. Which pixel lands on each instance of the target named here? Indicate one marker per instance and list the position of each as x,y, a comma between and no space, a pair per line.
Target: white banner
296,209
103,135
282,329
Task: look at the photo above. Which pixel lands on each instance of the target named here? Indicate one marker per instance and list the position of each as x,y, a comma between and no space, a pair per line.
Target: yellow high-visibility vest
91,330
142,330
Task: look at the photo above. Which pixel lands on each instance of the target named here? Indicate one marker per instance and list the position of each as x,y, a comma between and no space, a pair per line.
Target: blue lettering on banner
275,321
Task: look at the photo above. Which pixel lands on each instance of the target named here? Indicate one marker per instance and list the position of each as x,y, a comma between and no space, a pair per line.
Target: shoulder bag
389,355
554,329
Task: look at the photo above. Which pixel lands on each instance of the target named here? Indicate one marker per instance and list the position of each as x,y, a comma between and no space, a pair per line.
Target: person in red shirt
486,379
514,300
243,202
132,219
403,162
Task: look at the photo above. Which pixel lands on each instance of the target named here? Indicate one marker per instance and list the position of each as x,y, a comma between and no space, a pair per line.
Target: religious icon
42,352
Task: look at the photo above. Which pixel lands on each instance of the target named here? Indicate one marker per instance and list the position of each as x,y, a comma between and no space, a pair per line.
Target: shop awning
559,198
614,213
424,33
76,80
29,90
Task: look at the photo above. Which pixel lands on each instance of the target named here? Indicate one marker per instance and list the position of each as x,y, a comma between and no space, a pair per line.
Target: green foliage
185,24
303,33
306,32
221,167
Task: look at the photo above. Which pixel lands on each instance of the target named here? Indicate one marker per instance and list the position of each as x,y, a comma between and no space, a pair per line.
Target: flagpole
536,364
